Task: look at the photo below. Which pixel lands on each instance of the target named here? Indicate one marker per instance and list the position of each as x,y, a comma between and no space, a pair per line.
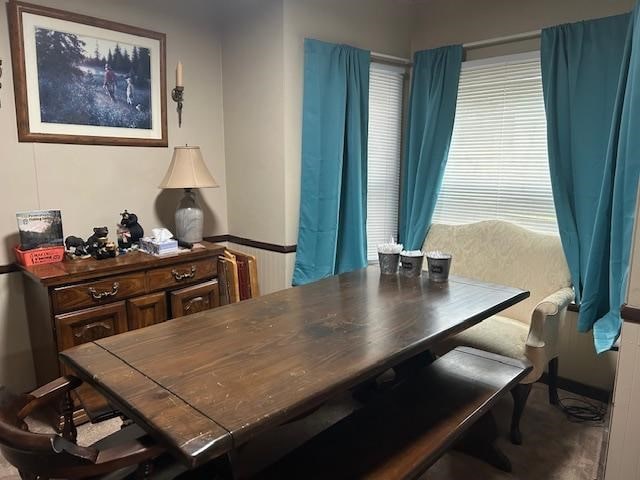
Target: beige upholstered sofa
503,253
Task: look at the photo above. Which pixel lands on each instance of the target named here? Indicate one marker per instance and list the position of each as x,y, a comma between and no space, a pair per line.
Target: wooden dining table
205,384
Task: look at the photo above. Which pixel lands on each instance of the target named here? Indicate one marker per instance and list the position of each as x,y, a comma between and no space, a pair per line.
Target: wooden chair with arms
43,456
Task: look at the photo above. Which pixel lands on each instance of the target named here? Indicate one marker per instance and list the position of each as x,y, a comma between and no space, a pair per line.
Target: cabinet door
147,310
195,299
86,326
90,324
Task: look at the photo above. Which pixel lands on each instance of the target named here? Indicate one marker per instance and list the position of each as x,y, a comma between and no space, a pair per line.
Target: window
498,166
386,86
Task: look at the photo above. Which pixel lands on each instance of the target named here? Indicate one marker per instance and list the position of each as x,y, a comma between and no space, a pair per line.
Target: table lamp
188,171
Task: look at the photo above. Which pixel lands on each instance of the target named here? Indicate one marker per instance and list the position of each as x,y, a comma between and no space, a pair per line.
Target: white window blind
385,130
498,166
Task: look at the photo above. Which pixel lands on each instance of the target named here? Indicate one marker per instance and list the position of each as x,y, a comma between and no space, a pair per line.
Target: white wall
446,22
633,287
263,60
377,25
93,184
578,360
622,459
253,116
623,462
263,79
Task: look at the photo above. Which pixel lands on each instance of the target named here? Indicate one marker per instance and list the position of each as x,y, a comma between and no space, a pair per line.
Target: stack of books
238,277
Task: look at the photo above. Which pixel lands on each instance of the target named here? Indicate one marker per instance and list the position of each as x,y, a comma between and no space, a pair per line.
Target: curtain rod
405,62
502,40
390,60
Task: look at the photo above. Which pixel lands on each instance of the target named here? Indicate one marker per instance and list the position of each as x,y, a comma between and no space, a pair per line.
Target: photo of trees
91,81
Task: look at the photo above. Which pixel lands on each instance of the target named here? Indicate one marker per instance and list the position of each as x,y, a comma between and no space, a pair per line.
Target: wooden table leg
413,365
479,442
374,387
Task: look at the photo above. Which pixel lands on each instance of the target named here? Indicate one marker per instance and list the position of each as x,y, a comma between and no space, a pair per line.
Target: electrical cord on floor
581,410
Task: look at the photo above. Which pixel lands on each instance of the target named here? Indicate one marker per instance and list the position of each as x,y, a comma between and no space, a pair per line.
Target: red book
244,281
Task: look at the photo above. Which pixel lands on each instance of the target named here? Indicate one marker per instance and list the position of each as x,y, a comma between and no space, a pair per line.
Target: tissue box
156,247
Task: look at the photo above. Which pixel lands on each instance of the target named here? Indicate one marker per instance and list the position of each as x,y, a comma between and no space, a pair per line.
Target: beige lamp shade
187,170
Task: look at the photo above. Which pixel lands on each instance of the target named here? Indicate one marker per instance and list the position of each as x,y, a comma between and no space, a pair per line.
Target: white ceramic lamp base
189,218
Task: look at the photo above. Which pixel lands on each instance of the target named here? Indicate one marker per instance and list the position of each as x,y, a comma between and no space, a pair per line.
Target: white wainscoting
579,360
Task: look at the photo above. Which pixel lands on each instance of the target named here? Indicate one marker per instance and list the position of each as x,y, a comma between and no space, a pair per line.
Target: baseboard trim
573,307
630,314
12,267
578,388
271,247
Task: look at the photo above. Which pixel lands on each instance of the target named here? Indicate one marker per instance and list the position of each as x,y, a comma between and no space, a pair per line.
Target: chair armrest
130,453
126,447
48,393
556,301
550,308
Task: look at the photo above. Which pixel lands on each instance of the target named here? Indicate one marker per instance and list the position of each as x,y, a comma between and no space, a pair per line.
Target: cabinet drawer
181,274
88,294
90,324
195,299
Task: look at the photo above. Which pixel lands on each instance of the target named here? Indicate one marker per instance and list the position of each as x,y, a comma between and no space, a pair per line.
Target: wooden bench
400,434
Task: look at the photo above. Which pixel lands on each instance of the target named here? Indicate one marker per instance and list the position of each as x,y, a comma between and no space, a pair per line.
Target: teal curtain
608,267
333,193
580,71
432,108
590,78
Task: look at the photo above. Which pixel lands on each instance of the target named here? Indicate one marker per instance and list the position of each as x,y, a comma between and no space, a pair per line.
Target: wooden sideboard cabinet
75,302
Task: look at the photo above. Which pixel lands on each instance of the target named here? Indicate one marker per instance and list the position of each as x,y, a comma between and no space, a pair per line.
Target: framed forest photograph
81,79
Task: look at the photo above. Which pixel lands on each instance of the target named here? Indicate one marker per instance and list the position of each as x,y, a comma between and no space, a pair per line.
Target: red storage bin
39,256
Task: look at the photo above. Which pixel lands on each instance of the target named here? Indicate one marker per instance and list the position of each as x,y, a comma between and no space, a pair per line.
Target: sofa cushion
504,253
501,335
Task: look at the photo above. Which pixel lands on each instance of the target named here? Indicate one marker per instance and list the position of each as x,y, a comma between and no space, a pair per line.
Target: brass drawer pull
183,276
100,295
90,326
194,301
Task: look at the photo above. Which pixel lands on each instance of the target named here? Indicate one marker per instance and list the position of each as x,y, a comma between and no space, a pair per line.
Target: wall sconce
177,94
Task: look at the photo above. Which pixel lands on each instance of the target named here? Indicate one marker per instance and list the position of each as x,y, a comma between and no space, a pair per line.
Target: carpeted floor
554,448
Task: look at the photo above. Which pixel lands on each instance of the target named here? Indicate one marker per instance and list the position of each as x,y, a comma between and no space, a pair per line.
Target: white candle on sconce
177,92
179,75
